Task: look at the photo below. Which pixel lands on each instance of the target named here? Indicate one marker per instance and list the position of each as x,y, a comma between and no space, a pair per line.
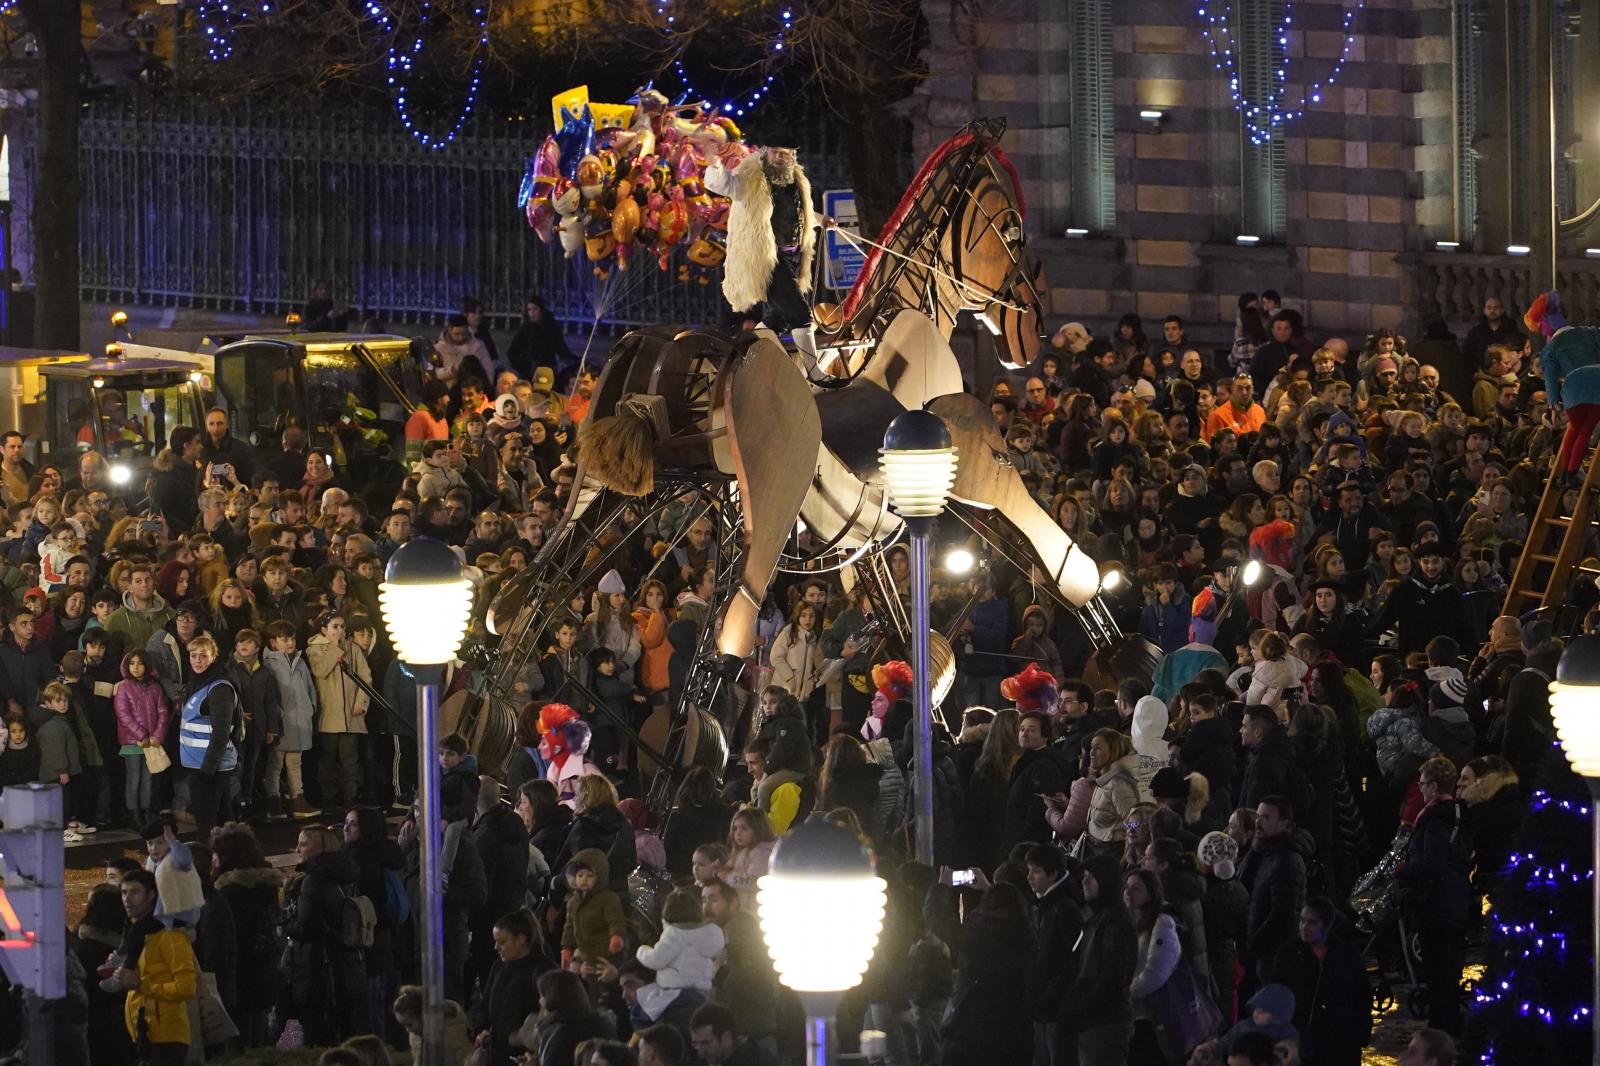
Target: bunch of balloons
636,189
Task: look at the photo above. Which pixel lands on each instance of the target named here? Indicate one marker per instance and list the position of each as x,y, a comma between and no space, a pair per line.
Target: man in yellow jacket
163,982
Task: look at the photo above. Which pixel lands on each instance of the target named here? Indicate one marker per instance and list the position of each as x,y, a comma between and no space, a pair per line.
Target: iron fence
242,208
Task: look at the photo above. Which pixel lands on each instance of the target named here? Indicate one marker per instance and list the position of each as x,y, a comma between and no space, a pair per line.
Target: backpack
397,901
358,920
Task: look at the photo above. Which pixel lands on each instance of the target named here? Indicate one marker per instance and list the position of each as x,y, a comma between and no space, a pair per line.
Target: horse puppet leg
774,437
984,480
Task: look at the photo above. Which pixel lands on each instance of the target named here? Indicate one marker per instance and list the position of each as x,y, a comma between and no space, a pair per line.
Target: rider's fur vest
752,251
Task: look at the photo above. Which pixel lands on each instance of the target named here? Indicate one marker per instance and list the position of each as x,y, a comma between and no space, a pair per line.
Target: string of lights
217,21
1545,888
404,50
1263,117
731,106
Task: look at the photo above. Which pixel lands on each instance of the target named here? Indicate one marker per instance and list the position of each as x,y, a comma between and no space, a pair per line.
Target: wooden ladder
1541,578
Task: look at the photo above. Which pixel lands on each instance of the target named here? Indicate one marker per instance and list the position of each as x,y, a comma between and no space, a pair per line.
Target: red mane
918,183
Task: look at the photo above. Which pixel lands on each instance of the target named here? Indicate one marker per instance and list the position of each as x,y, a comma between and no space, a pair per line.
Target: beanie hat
1276,1000
1451,692
1169,784
1219,851
611,584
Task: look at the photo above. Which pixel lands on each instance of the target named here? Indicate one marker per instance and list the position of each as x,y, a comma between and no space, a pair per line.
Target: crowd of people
1154,869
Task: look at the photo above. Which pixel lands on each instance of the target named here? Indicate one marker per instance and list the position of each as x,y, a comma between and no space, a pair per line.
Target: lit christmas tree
1533,1003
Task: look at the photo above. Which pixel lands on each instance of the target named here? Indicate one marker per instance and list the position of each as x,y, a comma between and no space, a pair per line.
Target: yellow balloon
625,220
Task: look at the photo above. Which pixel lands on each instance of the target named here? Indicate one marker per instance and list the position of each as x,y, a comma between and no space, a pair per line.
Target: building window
1259,35
1091,119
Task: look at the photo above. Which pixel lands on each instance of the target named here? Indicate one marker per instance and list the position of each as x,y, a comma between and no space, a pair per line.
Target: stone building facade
1125,130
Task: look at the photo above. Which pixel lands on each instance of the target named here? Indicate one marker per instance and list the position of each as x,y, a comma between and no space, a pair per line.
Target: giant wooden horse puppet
688,423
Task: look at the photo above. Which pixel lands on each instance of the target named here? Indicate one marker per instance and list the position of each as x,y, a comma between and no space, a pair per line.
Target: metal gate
242,208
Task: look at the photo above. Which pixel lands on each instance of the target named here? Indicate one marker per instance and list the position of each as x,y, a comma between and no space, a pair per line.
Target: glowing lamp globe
1575,704
918,459
426,602
1251,573
821,908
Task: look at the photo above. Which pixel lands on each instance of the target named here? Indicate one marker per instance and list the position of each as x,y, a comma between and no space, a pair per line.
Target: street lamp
1575,710
821,908
426,604
919,463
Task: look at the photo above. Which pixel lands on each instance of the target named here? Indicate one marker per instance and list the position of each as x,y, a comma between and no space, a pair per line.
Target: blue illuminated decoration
735,106
403,52
1263,117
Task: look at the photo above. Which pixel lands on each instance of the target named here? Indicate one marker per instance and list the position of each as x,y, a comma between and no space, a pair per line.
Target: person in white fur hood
772,241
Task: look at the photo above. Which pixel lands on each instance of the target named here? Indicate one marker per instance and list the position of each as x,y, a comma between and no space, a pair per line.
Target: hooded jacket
168,980
135,627
596,916
1397,732
1149,742
1494,811
252,894
142,708
1107,955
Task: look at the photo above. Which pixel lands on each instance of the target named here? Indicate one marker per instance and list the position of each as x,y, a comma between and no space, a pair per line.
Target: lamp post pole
920,528
426,605
429,678
919,465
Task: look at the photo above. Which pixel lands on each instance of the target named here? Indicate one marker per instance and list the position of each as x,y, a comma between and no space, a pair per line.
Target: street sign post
842,260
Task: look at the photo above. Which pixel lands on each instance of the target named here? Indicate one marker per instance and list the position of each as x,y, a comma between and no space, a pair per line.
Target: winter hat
1034,689
638,815
1219,851
1545,316
1150,727
1169,784
1276,1000
195,609
544,379
1451,692
612,584
1383,363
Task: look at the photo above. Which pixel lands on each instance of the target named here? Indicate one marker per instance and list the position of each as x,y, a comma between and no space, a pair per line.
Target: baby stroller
1381,916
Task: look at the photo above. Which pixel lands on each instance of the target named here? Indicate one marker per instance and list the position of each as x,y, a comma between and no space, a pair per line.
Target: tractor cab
348,392
121,408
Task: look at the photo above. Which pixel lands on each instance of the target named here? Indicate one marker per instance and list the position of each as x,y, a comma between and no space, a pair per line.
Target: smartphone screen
961,877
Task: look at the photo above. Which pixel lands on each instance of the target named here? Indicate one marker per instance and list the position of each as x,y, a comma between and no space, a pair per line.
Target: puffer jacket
316,902
1450,730
1275,871
142,708
343,705
1397,731
595,917
1116,790
1271,679
252,894
1438,858
502,844
686,956
1494,815
168,980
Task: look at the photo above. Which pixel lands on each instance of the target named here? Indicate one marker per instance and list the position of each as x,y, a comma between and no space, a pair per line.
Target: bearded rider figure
772,239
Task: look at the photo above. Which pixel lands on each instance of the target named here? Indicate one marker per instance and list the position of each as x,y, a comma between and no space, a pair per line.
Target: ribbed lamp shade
821,908
1575,704
426,602
918,459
